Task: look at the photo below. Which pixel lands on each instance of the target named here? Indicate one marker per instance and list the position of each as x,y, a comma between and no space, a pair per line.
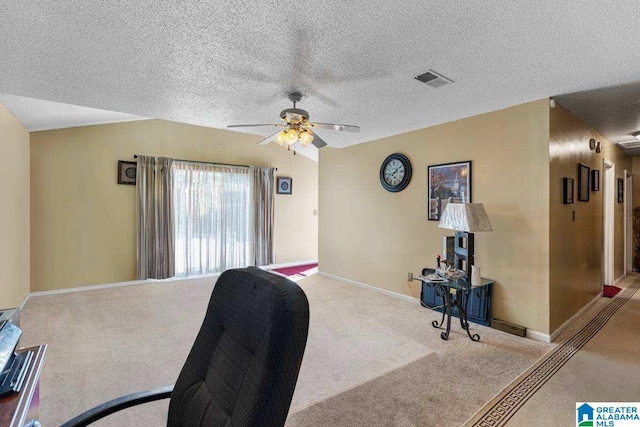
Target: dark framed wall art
583,182
448,183
127,172
567,191
284,185
595,180
620,190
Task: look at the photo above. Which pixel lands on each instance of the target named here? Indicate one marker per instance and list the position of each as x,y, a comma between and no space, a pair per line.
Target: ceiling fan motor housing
294,115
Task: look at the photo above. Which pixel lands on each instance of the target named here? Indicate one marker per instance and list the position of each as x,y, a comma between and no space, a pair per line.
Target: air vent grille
433,79
630,144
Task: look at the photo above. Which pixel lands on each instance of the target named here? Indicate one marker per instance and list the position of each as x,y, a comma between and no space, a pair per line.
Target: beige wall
14,210
83,222
375,237
576,247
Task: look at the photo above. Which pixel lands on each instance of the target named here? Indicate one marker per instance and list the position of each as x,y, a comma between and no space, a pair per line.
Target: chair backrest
244,364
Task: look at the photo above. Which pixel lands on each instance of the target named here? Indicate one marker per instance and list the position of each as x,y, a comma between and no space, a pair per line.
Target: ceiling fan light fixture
305,137
636,135
292,136
281,137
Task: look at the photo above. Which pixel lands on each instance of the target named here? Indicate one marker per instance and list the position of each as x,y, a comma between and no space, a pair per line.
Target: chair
244,364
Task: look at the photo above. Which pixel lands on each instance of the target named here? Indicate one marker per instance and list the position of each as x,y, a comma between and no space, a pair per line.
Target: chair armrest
115,405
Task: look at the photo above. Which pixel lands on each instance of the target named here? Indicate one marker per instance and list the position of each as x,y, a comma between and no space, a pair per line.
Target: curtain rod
135,156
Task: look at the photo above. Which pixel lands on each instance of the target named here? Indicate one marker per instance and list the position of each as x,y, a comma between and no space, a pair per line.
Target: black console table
455,295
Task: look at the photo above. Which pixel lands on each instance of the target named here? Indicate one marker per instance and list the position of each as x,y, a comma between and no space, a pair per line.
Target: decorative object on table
583,182
620,190
567,191
297,127
448,248
465,219
127,172
476,278
448,183
592,144
284,185
395,172
595,180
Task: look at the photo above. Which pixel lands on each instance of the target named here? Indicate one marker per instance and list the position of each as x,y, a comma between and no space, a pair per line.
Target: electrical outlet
410,276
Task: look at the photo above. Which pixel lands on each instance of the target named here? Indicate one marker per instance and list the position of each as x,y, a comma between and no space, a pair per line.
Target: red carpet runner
298,269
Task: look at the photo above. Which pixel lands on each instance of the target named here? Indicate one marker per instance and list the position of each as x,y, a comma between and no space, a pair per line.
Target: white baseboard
24,302
92,287
141,282
619,279
370,287
538,336
573,318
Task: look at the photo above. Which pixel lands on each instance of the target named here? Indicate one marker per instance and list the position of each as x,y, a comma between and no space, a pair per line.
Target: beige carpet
370,359
597,359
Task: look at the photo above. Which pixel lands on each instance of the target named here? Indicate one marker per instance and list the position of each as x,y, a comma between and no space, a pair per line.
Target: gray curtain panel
263,198
154,219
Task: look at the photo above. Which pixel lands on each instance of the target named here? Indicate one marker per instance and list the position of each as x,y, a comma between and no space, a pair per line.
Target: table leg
440,292
447,308
462,311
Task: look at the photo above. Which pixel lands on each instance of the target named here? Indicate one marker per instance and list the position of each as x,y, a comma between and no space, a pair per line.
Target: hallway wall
576,247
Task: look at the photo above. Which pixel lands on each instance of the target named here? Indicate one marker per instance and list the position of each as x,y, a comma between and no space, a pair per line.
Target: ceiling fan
297,127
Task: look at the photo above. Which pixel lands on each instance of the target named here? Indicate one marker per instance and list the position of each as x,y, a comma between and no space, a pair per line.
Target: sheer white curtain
212,217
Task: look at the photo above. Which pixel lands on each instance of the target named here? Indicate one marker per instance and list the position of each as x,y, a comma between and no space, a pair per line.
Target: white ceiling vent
433,79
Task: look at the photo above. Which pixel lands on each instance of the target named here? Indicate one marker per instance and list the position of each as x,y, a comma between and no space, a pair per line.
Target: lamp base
463,252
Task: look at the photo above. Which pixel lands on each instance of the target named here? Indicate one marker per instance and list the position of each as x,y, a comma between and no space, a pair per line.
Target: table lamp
465,219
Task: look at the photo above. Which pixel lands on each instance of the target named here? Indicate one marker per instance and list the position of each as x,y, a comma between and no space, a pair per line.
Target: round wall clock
395,172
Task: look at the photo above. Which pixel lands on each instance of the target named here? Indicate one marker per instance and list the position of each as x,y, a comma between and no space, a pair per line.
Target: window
212,217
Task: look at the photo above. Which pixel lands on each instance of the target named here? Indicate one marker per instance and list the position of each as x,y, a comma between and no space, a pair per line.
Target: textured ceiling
612,111
36,114
215,63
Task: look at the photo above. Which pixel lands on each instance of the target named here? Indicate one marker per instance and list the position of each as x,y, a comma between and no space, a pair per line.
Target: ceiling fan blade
268,139
254,126
348,128
317,141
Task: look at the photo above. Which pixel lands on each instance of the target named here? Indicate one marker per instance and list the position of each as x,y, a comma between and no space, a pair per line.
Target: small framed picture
595,180
567,191
284,185
127,172
620,190
583,182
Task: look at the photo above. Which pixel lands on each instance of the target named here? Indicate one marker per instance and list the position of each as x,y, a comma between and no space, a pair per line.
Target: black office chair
244,364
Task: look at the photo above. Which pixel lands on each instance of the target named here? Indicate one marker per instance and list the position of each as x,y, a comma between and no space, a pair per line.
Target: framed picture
127,172
583,182
567,191
620,190
448,183
595,180
284,185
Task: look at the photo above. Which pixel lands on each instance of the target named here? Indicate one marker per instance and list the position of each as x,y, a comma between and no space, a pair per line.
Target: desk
455,294
20,409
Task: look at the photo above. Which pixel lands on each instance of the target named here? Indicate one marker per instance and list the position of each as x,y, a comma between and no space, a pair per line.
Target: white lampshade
469,217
